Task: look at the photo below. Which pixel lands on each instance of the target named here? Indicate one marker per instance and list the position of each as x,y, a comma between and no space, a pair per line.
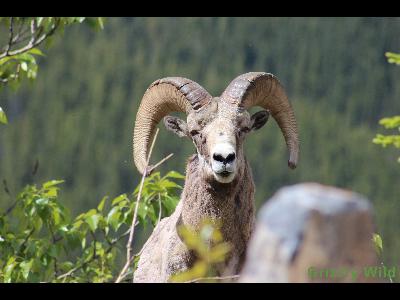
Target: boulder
313,233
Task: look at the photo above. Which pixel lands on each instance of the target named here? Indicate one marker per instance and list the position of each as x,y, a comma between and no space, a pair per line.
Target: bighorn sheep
219,183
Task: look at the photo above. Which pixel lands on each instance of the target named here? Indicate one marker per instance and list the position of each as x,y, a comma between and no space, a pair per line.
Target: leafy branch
210,249
392,122
24,36
40,242
37,36
129,256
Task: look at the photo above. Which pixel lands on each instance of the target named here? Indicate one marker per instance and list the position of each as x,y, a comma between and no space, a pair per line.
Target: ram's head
217,126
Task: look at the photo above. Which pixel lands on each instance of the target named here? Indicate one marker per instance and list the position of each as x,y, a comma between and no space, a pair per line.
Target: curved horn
170,94
265,90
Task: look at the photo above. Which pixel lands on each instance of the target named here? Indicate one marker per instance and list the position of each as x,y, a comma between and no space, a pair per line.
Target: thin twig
113,242
35,168
94,244
20,249
17,36
160,162
10,209
34,42
10,41
212,278
53,242
129,245
6,187
33,31
129,258
123,273
23,34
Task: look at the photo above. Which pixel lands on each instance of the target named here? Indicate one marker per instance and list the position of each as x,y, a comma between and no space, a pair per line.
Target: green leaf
11,264
93,221
26,57
102,202
24,66
42,201
26,267
53,250
151,214
56,216
391,122
198,270
142,213
67,265
63,228
83,242
52,192
119,199
393,58
170,203
376,238
37,223
169,184
90,213
100,21
174,174
51,183
73,239
3,117
36,51
39,21
219,252
113,218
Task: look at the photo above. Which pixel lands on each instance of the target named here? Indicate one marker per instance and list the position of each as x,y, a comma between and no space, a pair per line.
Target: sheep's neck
232,204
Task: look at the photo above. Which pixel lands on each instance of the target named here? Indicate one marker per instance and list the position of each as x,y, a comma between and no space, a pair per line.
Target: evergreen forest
75,122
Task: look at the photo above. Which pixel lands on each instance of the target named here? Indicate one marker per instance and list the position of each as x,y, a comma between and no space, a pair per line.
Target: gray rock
312,233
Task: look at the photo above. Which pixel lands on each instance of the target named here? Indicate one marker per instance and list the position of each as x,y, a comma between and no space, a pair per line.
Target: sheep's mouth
224,173
224,176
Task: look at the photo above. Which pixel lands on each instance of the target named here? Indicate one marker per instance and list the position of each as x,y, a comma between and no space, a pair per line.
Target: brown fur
219,183
165,254
230,204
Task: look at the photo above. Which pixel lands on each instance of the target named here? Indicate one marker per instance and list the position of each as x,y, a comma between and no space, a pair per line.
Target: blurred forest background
77,118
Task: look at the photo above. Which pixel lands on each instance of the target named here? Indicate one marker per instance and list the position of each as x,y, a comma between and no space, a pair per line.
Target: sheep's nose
225,159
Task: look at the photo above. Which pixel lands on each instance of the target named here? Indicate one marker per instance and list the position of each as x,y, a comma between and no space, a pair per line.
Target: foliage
392,122
386,140
378,244
393,58
157,196
77,118
3,117
377,240
40,242
25,35
209,248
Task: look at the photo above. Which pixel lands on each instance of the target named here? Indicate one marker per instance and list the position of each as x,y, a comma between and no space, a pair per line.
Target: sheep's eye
194,132
244,129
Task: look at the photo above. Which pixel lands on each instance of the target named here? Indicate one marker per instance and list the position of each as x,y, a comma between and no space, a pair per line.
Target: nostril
230,157
218,157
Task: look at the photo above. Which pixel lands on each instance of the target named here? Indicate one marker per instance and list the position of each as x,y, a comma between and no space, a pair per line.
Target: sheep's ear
176,125
259,119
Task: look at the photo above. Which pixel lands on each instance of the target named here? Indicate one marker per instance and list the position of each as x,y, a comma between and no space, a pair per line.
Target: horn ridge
265,90
163,96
